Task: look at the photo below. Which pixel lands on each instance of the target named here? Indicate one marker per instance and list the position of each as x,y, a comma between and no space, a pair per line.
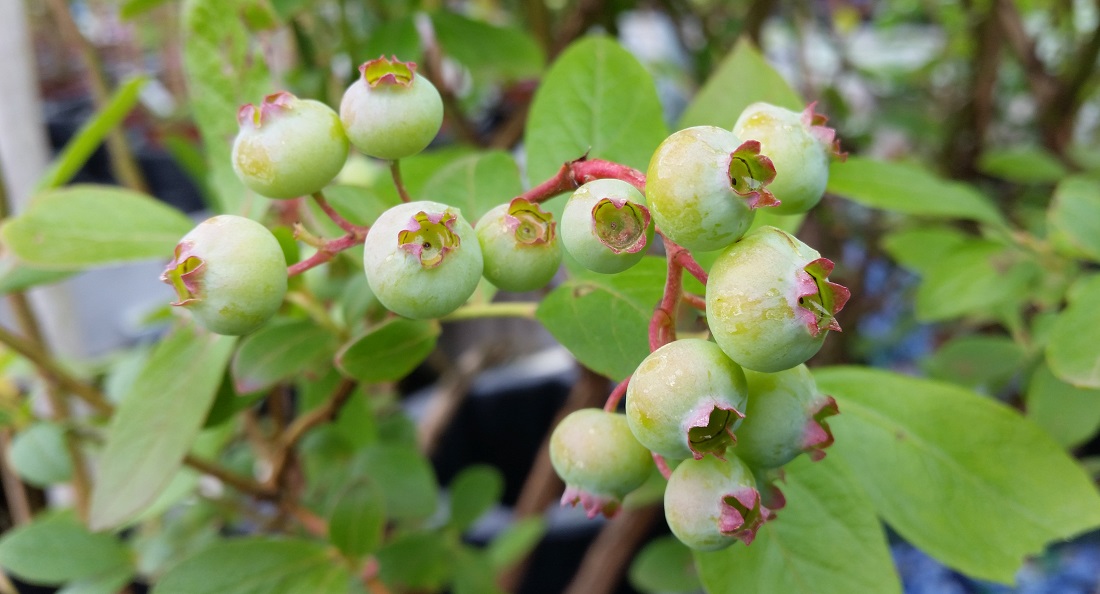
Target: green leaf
490,52
416,561
156,423
909,189
278,351
134,8
595,99
473,492
406,478
258,566
515,542
1069,414
744,77
920,248
962,477
357,520
85,225
1074,217
17,276
983,363
224,70
476,183
974,278
474,573
91,135
604,319
56,548
39,455
393,37
388,351
110,582
1073,352
1025,165
826,540
664,565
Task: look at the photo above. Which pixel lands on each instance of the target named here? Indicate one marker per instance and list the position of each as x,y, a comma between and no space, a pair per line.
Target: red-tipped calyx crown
383,72
529,223
621,225
256,116
184,274
815,122
430,237
750,173
819,300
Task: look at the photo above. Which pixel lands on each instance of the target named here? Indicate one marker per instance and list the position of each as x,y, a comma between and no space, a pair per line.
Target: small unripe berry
799,145
703,186
519,242
785,417
686,400
711,503
422,259
288,147
230,273
391,112
769,300
595,454
606,226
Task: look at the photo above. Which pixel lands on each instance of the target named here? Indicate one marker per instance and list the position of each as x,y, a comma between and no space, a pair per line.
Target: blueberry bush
733,271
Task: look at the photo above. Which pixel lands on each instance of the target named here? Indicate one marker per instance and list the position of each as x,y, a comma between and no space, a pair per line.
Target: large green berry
422,259
785,417
230,273
519,242
288,147
799,145
686,399
606,226
391,112
595,454
703,186
711,503
769,300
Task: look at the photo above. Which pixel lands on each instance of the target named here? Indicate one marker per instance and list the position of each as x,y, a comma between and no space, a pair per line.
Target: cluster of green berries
728,413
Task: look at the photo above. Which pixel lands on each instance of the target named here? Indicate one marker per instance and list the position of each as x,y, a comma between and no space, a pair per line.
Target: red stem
575,173
684,258
662,326
327,252
659,460
697,301
395,173
337,217
616,395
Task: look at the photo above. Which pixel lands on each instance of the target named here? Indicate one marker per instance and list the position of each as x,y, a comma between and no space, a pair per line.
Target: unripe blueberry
391,112
770,302
799,145
785,417
703,186
422,259
230,273
288,147
519,242
711,503
686,399
595,454
606,226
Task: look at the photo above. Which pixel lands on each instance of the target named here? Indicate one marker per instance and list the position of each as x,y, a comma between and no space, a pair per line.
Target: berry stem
575,173
662,326
327,252
616,395
684,258
697,301
395,173
512,309
662,465
336,217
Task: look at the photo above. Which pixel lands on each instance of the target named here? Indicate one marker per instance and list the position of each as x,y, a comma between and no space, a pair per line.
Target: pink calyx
621,224
255,117
815,122
387,72
184,273
529,223
741,514
708,428
750,173
818,300
816,435
429,237
594,505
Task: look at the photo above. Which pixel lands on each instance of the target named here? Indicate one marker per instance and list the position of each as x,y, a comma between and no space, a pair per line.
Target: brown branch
51,371
449,394
606,559
15,492
280,462
239,482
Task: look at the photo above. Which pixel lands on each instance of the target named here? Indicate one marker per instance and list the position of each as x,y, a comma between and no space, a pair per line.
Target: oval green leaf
476,489
258,566
280,350
56,548
1073,352
1074,217
1069,414
357,520
388,351
964,478
39,455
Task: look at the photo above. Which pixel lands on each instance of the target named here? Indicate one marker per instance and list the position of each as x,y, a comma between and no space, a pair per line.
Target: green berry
785,417
711,503
519,243
703,186
769,301
230,273
595,454
686,400
391,112
288,147
606,226
422,259
799,145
